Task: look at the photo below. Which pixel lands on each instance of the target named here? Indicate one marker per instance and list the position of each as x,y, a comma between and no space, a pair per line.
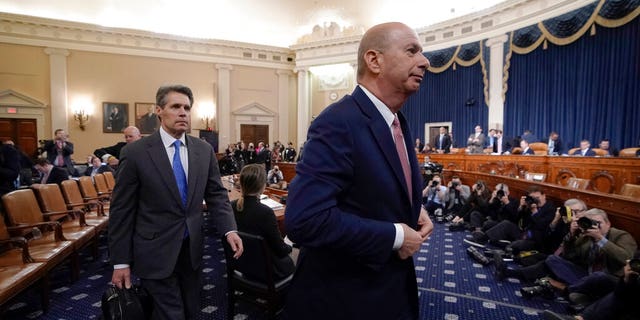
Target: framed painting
115,117
146,119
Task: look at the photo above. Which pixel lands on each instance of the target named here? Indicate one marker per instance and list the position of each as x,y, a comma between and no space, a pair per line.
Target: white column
304,107
283,106
354,65
58,82
496,64
224,105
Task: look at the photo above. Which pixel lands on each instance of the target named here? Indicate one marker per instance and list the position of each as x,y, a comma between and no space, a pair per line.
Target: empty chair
25,218
18,270
540,148
73,198
243,276
630,190
73,221
577,183
101,185
628,153
88,190
110,179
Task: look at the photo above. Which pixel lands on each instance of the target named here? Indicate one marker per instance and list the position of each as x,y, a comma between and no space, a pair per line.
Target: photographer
434,195
59,151
476,208
576,208
501,207
458,195
534,215
275,179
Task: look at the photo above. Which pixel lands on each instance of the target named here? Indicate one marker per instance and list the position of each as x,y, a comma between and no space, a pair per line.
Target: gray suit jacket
147,220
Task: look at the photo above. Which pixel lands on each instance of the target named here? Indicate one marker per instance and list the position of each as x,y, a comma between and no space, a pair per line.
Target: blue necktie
178,172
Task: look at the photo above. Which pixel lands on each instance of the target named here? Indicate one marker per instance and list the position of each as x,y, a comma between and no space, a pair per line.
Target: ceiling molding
27,30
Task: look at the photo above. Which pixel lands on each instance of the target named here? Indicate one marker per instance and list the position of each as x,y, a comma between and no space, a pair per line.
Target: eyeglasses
574,211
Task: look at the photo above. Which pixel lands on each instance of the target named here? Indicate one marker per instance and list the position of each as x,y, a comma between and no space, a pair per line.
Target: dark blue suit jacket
590,153
348,191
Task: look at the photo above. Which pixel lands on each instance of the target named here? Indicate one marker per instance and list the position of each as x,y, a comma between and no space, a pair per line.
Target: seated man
524,145
593,256
501,207
96,166
475,210
619,304
50,173
275,179
434,195
585,150
606,146
458,195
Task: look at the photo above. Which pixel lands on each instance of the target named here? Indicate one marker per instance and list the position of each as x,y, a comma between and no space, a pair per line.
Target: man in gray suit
475,143
156,218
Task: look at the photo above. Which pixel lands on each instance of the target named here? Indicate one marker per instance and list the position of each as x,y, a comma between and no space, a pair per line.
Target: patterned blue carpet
451,286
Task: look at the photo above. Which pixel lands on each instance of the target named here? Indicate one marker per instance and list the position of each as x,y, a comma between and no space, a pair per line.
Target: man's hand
121,277
425,224
411,243
236,244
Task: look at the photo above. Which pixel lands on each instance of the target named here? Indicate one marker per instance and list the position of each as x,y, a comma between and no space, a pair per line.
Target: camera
479,186
564,211
529,200
500,194
454,184
434,184
585,223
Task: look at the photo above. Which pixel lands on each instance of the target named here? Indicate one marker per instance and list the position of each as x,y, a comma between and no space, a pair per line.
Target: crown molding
489,23
34,31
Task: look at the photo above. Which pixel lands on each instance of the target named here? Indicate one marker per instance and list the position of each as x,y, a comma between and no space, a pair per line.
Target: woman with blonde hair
258,219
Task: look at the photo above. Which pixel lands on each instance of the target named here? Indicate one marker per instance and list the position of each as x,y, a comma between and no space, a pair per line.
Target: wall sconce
208,116
81,117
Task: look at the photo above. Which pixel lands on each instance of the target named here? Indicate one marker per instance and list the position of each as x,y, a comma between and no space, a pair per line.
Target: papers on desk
274,205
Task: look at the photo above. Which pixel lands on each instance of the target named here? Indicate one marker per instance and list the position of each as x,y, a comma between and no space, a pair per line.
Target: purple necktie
402,153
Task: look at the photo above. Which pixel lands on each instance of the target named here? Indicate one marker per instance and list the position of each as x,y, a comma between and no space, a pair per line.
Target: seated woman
256,218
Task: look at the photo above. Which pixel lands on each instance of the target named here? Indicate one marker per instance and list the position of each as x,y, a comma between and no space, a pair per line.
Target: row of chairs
48,225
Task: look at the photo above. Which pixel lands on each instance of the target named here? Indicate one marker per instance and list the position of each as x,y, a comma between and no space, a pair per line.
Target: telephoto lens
585,223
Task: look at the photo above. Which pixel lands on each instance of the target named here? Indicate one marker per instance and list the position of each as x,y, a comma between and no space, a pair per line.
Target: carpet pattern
451,286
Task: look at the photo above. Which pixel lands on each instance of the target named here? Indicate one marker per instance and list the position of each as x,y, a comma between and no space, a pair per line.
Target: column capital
301,69
282,72
221,66
57,52
499,40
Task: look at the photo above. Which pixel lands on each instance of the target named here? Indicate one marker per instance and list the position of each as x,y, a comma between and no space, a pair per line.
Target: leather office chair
599,152
628,152
540,148
630,190
243,274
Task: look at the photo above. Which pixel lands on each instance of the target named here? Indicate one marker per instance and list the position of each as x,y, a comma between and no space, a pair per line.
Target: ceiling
269,22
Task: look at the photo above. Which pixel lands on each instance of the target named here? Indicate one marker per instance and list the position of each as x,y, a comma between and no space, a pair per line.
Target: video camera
434,183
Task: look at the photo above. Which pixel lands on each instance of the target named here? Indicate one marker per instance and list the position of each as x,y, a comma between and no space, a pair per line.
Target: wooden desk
235,194
606,174
623,212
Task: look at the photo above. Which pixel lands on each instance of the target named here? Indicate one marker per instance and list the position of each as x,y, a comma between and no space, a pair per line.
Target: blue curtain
453,95
589,89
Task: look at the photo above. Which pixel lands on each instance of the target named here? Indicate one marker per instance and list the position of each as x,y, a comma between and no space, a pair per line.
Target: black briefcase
126,304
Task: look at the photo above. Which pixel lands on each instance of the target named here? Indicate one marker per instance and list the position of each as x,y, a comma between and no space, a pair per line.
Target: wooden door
254,133
23,132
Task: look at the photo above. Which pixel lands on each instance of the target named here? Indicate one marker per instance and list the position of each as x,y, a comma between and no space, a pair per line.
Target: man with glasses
591,258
